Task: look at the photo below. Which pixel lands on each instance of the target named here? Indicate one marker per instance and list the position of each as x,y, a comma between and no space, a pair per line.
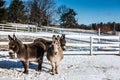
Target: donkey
48,43
27,52
55,54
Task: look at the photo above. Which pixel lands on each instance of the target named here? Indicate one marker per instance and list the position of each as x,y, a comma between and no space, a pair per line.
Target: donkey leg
40,61
53,68
56,68
25,65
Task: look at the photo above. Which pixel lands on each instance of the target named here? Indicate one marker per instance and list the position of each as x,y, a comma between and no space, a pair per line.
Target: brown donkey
27,52
55,54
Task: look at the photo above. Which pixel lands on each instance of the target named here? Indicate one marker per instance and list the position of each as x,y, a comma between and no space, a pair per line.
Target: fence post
46,29
119,45
99,31
36,29
41,29
53,31
16,28
28,29
60,31
2,28
91,47
32,29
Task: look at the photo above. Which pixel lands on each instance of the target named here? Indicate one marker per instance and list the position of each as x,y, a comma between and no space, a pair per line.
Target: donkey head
13,43
55,44
63,41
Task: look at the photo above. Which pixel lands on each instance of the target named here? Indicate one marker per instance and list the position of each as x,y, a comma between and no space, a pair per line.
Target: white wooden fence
25,28
12,27
98,44
18,28
94,44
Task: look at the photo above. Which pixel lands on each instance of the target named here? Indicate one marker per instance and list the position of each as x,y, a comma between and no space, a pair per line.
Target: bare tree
41,11
62,9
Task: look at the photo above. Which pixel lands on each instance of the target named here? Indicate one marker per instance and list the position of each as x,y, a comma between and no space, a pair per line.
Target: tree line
104,27
39,12
44,13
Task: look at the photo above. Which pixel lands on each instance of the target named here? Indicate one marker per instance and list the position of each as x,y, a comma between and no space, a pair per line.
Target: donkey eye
12,45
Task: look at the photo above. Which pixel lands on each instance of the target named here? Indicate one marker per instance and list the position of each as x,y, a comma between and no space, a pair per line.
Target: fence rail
95,44
12,27
84,44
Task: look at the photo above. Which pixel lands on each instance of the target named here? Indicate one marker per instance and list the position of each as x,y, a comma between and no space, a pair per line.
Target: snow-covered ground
72,67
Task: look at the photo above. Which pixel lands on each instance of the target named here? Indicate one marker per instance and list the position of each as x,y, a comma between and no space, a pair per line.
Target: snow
20,25
72,67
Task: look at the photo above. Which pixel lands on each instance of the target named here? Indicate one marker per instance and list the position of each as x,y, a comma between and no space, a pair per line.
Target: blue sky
93,11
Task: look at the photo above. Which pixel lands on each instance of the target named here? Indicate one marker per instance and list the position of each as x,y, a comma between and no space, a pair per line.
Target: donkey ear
53,37
10,38
63,36
58,37
14,37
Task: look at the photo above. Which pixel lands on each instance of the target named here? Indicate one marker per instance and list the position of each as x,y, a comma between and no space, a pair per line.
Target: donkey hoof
56,72
25,72
53,73
38,70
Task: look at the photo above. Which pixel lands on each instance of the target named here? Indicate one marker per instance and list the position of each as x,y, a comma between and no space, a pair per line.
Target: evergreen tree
1,3
68,19
3,11
16,11
35,12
